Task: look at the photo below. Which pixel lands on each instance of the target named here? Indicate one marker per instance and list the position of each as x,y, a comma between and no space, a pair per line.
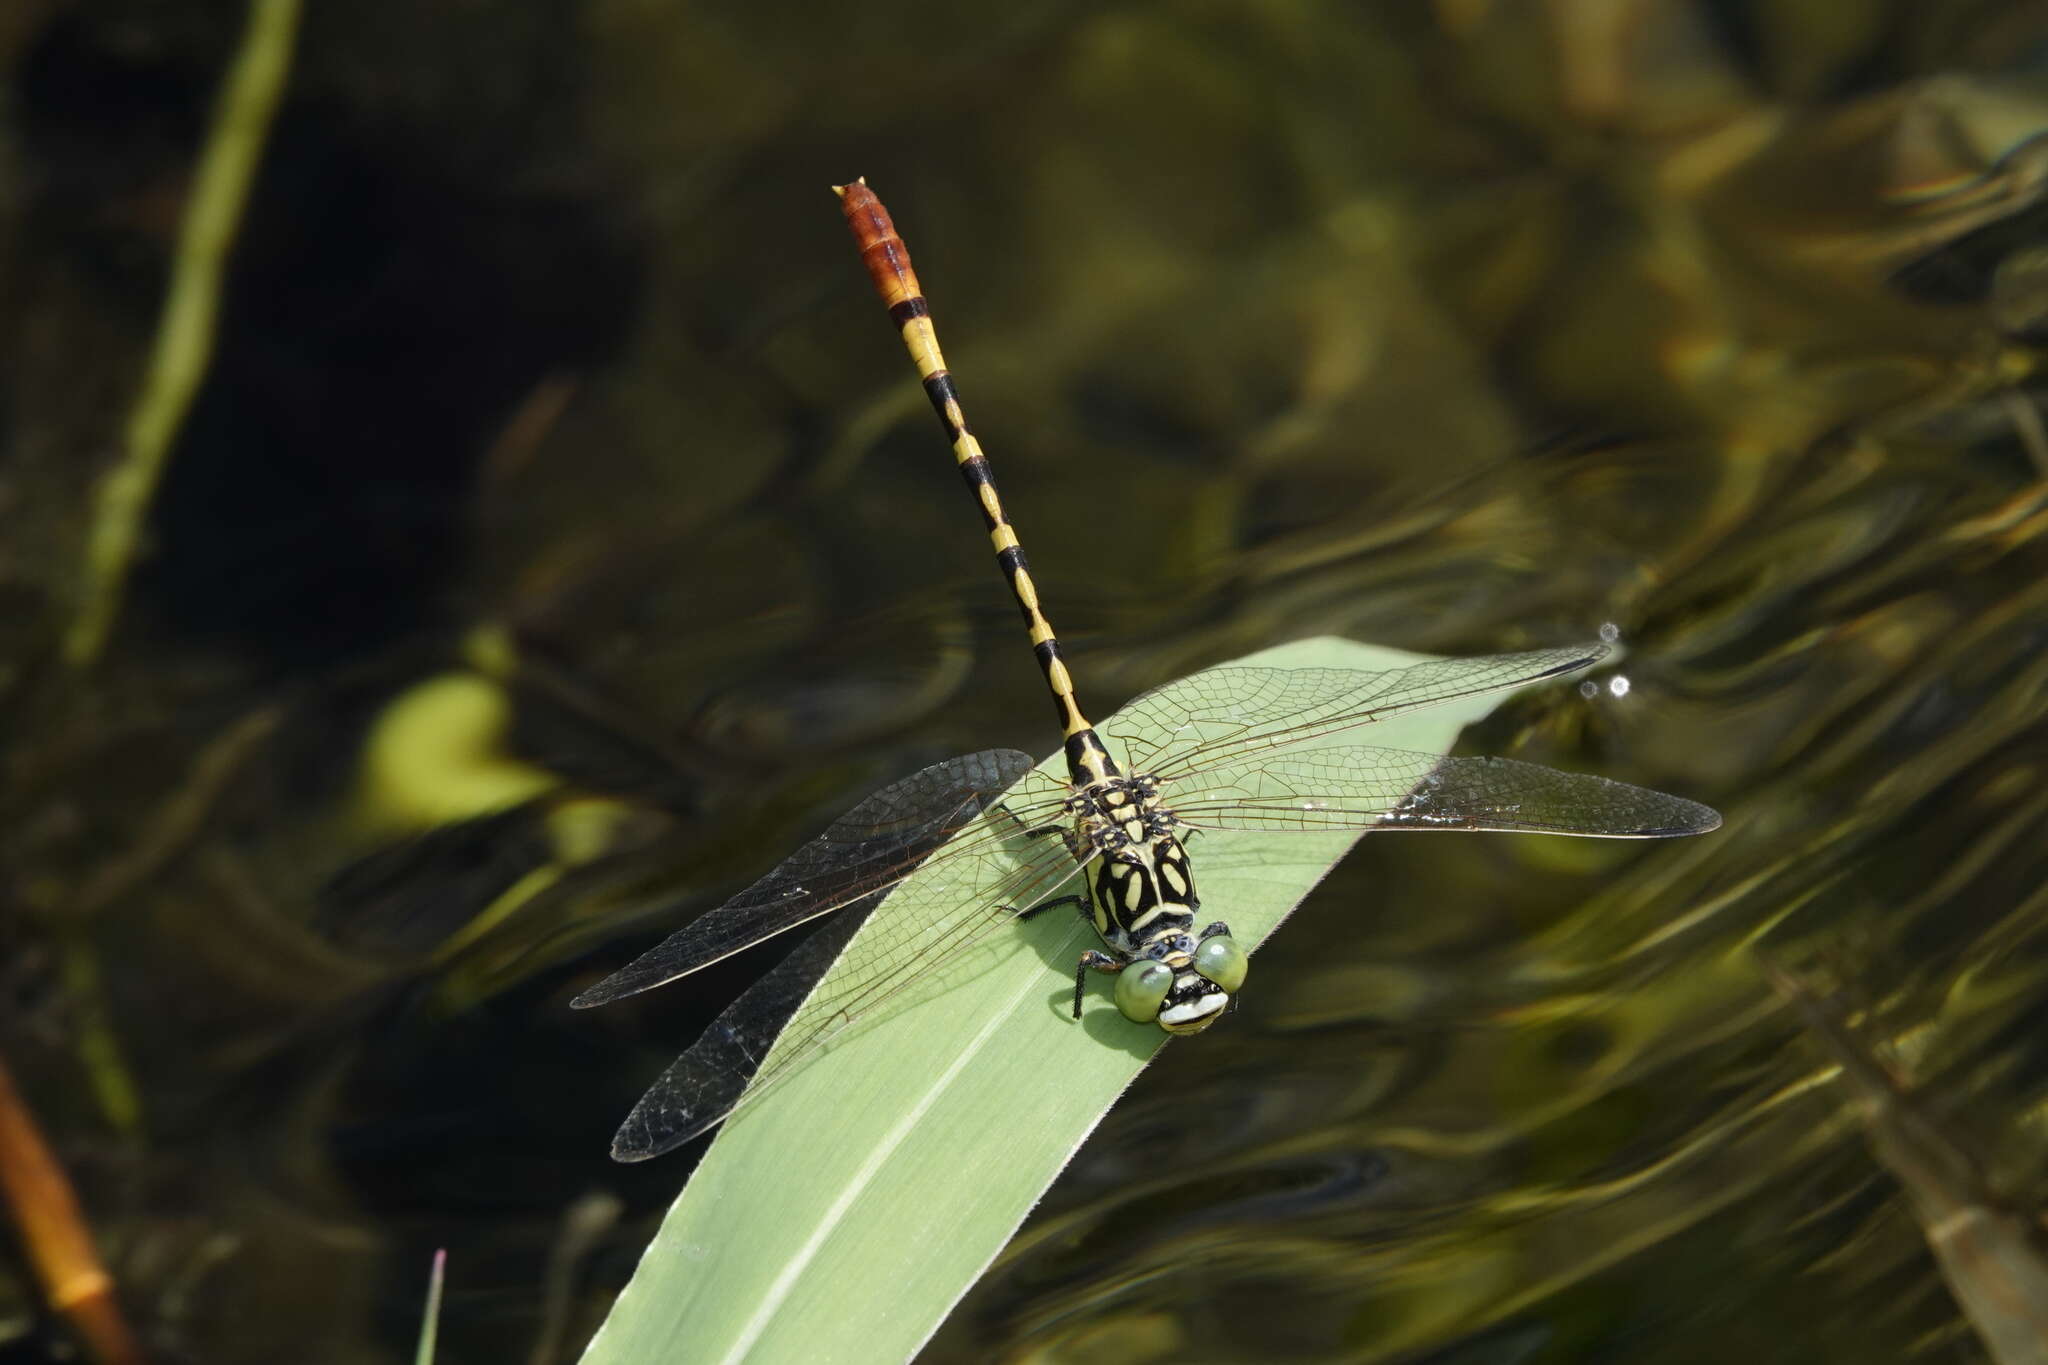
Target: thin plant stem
184,339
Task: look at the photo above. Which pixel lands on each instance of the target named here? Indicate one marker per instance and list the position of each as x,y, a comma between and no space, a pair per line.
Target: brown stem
55,1235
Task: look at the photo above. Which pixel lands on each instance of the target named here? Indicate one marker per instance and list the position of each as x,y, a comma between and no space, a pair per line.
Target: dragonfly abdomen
888,263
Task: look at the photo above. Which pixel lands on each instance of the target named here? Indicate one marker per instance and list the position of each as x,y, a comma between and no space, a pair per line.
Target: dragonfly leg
1032,830
1040,831
1099,961
1080,901
1219,927
1067,837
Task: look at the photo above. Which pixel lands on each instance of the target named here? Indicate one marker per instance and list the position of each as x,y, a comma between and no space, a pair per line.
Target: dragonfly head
1186,998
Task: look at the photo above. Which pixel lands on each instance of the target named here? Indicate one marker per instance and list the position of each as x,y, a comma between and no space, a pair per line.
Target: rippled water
558,528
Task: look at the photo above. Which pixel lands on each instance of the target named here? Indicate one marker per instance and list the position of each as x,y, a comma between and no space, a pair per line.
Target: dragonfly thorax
1142,892
1116,814
1142,899
1140,887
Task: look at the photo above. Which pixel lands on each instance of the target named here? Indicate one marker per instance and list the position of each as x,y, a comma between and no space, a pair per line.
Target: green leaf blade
843,1215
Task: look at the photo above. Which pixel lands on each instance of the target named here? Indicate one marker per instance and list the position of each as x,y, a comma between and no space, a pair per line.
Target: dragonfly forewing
871,848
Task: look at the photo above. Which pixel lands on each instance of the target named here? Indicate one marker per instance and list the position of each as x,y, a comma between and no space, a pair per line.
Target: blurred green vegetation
555,539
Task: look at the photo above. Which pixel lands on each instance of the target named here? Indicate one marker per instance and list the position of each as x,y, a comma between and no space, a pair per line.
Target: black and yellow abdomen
888,263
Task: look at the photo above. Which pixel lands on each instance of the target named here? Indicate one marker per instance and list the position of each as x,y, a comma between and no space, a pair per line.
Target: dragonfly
1234,749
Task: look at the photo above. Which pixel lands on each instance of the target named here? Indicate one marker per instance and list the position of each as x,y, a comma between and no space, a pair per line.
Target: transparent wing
706,1082
1352,787
871,848
1230,716
790,1011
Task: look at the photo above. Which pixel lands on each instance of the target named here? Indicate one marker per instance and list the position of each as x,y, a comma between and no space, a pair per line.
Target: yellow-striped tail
888,263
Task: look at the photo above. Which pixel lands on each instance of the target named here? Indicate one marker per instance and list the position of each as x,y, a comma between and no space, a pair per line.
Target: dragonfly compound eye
1223,960
1141,989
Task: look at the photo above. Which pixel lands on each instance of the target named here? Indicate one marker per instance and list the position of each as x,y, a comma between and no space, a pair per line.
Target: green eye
1222,961
1141,989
